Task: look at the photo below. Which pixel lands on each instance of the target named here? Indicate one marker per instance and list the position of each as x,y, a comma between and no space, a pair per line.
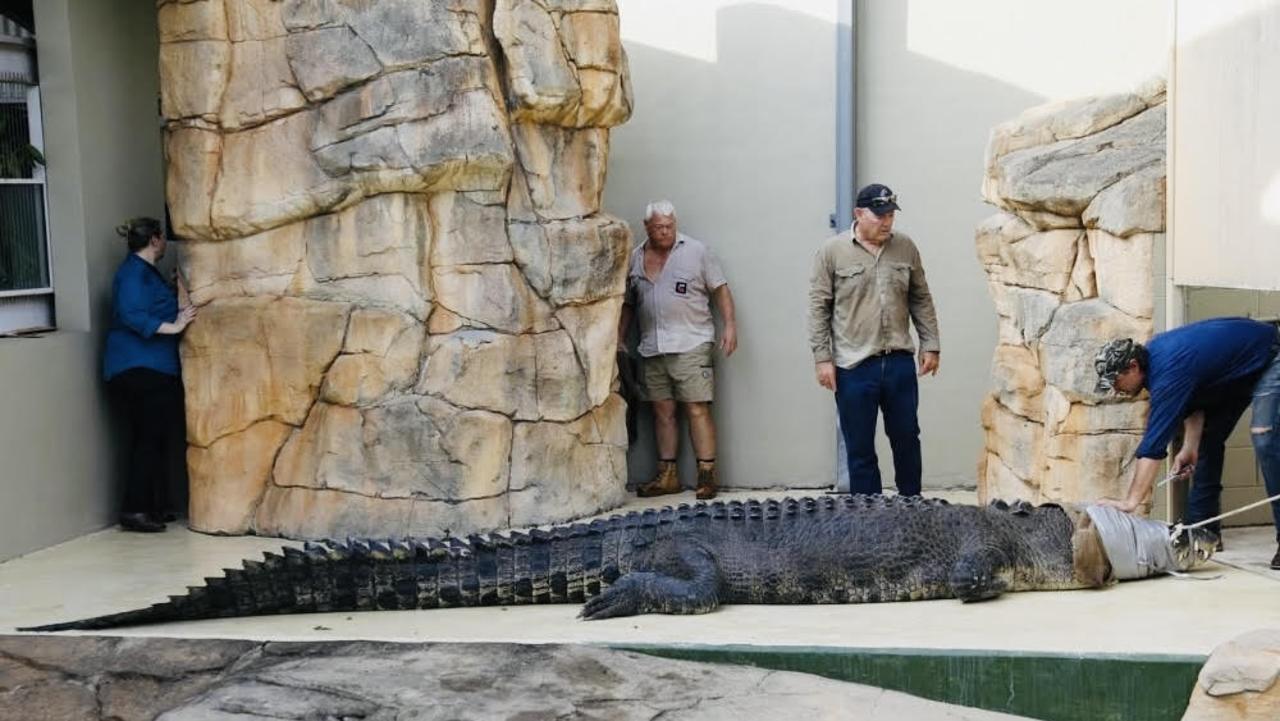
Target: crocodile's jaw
1193,547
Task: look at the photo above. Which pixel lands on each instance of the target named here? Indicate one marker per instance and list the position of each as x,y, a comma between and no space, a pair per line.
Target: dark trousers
885,384
149,406
1205,497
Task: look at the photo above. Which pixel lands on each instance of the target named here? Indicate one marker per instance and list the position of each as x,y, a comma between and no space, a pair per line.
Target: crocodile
682,560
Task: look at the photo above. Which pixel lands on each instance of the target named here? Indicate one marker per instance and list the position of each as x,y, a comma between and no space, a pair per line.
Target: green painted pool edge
1049,686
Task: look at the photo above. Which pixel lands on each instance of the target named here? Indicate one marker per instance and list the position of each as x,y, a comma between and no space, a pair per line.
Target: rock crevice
408,290
1080,191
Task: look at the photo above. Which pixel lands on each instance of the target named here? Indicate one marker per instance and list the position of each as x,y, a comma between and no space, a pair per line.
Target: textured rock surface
99,679
1239,681
1080,187
408,292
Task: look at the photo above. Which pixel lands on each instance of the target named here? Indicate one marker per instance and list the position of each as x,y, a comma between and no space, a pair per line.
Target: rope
1179,527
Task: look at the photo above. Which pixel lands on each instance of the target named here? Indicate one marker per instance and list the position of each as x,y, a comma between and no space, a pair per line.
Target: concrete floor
113,571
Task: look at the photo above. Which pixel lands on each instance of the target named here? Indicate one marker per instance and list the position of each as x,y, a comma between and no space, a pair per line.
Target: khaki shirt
859,303
674,311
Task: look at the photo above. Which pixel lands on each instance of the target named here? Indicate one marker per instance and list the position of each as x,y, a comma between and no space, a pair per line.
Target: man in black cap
867,283
1203,374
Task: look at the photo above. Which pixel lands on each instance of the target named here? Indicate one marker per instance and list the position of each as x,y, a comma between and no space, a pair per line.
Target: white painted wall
1226,153
933,77
735,123
99,84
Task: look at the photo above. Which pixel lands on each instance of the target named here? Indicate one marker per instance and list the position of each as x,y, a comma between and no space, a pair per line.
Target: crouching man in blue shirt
1203,374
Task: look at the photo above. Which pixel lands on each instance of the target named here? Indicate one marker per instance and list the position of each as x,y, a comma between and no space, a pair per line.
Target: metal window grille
26,277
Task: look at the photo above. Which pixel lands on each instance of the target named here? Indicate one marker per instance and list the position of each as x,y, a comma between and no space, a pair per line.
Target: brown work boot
665,482
708,480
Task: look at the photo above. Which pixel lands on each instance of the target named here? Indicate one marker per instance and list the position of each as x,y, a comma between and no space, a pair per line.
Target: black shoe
166,517
139,523
1275,560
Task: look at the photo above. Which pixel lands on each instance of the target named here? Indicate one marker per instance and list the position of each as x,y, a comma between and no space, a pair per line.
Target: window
26,278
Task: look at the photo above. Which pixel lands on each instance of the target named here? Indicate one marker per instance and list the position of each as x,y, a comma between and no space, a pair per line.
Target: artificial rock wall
1081,190
408,294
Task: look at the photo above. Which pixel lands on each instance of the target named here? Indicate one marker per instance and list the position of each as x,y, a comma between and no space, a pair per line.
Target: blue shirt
1200,365
140,301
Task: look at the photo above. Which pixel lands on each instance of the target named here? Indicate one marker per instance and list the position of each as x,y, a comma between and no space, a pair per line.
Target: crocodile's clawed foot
620,599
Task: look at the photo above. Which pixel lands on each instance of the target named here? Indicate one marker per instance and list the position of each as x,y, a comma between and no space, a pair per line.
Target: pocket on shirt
683,286
900,276
849,279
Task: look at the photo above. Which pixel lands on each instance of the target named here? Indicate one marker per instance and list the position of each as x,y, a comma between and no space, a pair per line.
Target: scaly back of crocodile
687,559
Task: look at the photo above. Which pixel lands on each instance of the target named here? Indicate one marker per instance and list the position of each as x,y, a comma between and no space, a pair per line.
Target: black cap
879,199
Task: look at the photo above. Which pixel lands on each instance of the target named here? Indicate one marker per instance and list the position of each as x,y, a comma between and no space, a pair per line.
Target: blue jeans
883,383
1205,498
1262,429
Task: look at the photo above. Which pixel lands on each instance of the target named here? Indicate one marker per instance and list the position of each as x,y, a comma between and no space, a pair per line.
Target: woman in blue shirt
143,375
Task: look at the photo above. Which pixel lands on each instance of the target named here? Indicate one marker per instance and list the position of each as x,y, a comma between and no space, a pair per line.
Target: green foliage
16,158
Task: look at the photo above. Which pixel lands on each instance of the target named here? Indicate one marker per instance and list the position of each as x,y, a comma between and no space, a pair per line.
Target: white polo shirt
674,311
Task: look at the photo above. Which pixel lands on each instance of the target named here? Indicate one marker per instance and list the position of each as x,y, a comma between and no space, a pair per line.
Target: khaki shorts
686,377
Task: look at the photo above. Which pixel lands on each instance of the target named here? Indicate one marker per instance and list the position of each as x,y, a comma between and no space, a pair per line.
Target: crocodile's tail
564,565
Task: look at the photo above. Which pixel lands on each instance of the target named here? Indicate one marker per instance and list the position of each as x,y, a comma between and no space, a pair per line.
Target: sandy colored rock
262,85
398,254
229,477
1123,416
185,21
1064,177
254,19
468,231
268,177
998,482
405,448
1021,440
310,513
592,40
561,172
562,383
540,76
1122,268
1084,282
193,78
573,261
493,296
1061,120
326,60
1238,682
555,467
254,359
265,264
1029,310
194,156
381,354
380,243
484,369
1041,260
1015,372
595,342
1133,205
1061,291
1086,467
439,29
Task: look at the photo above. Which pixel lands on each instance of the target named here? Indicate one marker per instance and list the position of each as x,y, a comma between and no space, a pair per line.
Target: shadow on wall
745,147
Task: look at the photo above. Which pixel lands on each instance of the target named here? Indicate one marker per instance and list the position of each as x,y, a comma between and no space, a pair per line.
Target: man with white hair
670,282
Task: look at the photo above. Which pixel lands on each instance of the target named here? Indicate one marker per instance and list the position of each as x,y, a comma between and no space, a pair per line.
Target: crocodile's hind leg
649,592
980,574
